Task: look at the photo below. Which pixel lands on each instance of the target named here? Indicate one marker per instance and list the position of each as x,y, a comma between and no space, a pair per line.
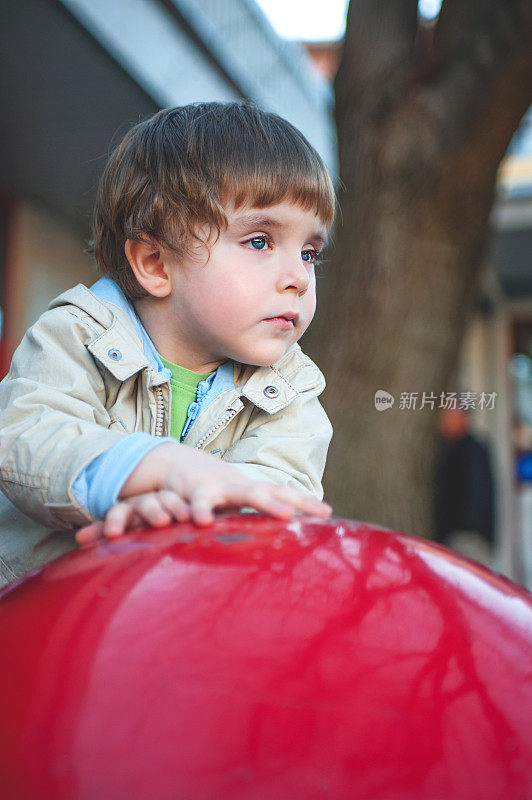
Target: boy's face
254,295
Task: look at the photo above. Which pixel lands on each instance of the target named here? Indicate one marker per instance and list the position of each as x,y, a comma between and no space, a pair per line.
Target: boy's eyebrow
262,221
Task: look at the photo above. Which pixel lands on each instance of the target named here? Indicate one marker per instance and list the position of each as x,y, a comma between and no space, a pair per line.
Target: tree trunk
424,117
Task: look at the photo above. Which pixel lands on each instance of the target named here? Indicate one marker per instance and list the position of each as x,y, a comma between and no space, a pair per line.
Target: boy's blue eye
258,243
261,242
309,256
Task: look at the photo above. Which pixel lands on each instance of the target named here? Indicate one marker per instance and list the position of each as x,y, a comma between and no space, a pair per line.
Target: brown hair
177,168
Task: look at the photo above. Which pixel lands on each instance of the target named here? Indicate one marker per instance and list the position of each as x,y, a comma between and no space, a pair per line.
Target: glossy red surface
265,660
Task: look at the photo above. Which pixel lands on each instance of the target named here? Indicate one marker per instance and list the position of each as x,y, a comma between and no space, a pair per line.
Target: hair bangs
271,164
277,180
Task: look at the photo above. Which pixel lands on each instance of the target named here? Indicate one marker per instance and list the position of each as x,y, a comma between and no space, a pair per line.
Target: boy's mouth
286,321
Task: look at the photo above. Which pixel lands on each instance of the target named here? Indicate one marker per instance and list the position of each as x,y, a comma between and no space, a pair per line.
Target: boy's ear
149,266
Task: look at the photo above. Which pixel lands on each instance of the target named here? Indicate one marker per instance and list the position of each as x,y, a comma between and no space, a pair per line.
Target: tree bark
424,117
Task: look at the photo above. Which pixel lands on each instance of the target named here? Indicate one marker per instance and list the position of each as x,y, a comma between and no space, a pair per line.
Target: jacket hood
102,311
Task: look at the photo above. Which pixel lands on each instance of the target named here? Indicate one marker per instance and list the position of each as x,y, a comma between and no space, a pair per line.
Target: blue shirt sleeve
97,487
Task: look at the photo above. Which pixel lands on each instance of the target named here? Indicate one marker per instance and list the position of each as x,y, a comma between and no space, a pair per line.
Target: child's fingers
204,500
257,495
265,499
278,501
150,509
90,533
142,509
301,502
159,508
117,519
202,506
174,505
156,509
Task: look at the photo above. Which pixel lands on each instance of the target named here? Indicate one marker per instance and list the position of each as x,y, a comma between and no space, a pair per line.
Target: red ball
262,659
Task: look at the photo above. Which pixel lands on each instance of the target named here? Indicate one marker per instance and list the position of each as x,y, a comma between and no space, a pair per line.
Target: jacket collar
268,388
124,348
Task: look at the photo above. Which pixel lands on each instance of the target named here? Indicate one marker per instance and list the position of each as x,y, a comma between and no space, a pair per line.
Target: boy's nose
295,276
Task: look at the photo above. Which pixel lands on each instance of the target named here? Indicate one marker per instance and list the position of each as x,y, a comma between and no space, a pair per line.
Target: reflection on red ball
260,659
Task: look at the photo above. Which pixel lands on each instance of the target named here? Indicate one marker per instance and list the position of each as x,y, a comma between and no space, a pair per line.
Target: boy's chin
265,359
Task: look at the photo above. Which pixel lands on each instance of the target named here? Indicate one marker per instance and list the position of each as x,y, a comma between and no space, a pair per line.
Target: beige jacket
66,400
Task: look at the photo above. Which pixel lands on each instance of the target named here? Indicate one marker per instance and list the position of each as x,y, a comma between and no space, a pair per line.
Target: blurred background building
78,73
497,353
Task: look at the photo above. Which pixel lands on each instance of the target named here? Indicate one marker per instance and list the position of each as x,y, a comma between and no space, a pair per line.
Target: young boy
175,385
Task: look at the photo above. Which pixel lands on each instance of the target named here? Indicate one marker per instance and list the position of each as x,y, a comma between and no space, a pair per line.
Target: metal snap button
271,391
115,354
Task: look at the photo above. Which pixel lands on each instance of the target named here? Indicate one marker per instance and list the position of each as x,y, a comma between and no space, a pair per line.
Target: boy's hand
174,482
155,509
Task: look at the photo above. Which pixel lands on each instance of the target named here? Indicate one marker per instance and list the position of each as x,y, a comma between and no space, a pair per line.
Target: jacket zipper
159,417
230,414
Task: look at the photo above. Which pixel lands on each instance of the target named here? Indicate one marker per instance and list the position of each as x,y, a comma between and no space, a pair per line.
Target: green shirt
184,384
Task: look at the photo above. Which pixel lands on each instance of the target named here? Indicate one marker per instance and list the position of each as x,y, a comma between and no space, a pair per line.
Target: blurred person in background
464,493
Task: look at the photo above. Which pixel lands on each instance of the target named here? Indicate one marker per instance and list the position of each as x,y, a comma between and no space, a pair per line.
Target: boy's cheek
303,327
310,310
